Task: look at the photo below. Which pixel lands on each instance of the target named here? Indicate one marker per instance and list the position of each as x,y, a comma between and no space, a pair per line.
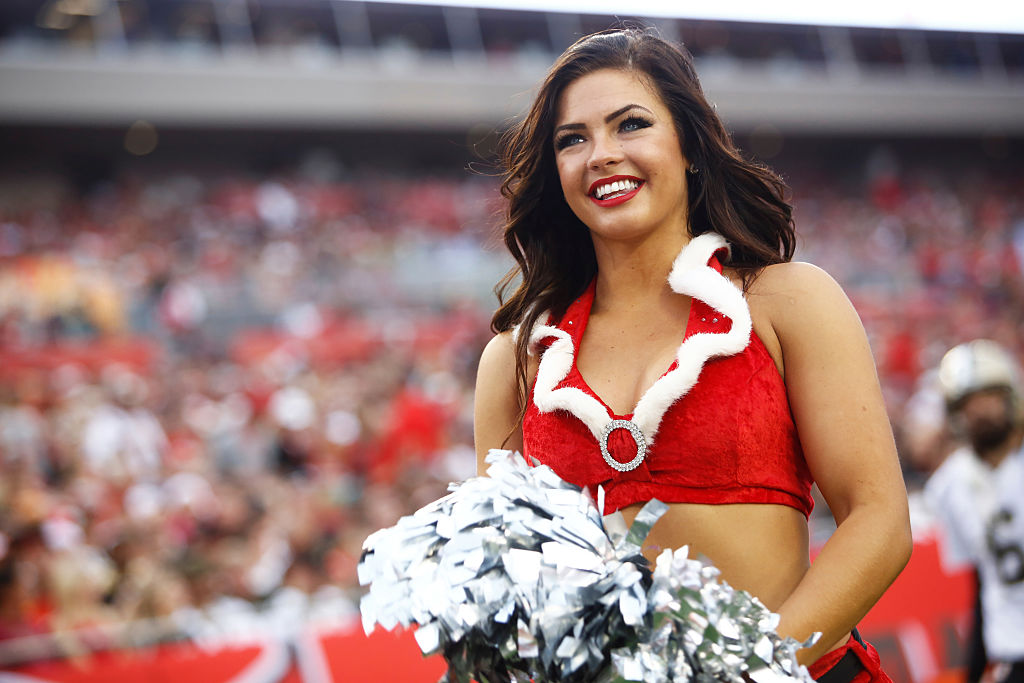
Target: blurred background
247,251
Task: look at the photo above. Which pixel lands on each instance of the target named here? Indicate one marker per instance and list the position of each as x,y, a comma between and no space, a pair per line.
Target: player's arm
837,404
496,406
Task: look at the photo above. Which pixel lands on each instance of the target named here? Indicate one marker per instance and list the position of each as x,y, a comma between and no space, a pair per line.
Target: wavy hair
743,201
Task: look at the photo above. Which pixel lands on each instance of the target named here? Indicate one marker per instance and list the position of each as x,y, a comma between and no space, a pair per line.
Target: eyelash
638,121
565,140
632,123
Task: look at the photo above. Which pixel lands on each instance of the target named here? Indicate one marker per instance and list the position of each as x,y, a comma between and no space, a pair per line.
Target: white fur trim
691,275
553,368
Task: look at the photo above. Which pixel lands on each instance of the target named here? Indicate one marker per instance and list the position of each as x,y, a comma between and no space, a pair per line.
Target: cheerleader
656,340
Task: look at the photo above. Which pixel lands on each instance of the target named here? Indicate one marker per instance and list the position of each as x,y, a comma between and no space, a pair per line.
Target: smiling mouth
615,190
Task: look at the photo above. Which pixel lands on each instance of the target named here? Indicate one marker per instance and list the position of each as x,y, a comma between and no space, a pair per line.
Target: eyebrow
608,119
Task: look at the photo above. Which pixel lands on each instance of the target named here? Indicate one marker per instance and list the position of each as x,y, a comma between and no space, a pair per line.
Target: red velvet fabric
872,672
730,439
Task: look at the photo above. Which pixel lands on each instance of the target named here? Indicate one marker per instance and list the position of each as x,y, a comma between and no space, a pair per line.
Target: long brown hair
743,201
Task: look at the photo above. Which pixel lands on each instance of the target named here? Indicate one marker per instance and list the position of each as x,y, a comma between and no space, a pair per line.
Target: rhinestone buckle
638,437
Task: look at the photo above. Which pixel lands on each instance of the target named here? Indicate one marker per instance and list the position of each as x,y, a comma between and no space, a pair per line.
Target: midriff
739,539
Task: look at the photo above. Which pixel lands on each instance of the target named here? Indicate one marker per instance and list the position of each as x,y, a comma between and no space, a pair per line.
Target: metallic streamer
516,577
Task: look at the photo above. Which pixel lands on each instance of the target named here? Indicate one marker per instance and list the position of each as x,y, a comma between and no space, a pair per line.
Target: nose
606,151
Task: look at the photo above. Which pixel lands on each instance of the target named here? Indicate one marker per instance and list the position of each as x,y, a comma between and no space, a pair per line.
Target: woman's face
619,158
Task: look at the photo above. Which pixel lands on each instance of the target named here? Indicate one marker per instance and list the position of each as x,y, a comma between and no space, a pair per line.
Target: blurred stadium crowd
213,388
213,391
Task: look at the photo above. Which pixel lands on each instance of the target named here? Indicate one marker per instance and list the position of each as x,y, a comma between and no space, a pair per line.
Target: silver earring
693,169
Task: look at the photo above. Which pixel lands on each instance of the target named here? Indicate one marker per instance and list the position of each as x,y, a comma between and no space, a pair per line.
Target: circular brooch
638,437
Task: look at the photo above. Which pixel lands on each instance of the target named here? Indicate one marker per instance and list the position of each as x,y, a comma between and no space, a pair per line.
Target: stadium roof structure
351,64
994,16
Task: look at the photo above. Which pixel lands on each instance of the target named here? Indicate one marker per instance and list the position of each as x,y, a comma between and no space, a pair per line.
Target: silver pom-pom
516,577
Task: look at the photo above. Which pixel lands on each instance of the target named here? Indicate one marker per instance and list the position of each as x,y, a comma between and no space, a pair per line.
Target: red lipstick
618,198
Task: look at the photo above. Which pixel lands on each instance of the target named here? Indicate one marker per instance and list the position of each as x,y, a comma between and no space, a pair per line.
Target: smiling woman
661,345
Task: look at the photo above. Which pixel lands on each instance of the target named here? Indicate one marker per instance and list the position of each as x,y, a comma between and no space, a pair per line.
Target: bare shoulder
792,295
496,405
785,296
499,354
788,282
496,387
498,359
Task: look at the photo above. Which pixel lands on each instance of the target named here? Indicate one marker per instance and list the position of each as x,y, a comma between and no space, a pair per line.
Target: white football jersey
980,511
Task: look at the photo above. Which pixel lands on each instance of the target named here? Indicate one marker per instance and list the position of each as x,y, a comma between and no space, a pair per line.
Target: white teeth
618,186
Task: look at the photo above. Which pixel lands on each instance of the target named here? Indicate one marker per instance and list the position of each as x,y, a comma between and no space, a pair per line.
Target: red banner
168,663
920,625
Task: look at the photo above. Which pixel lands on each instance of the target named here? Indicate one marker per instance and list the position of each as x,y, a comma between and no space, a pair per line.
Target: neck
632,275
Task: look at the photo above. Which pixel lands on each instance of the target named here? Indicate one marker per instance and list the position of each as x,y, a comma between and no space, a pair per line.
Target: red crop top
727,438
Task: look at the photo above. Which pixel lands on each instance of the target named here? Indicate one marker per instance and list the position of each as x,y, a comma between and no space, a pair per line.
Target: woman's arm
847,439
496,404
